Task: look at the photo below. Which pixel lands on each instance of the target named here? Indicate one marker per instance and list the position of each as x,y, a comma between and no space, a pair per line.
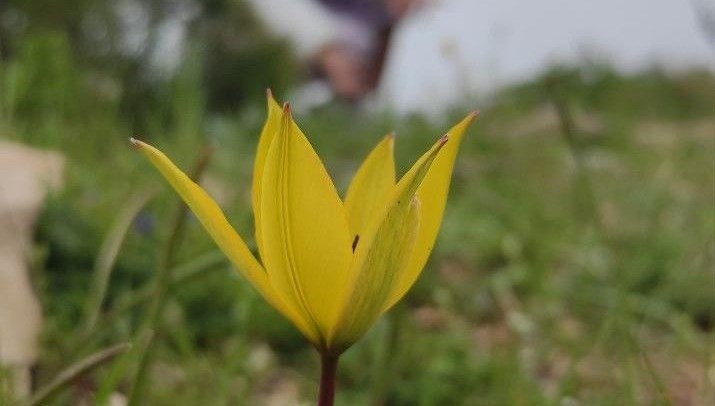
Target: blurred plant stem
587,205
328,370
107,256
661,389
76,371
387,365
108,384
181,274
584,195
162,282
6,395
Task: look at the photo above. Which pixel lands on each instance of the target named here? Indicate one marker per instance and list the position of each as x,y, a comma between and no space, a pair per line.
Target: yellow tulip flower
330,266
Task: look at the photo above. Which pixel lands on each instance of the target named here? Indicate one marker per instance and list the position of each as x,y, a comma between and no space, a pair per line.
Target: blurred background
575,265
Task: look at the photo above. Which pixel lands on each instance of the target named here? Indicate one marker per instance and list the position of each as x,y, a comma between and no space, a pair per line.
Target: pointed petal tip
269,98
135,142
390,138
286,109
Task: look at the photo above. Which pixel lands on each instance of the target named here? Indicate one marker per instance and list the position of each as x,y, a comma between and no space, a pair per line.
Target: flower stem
328,368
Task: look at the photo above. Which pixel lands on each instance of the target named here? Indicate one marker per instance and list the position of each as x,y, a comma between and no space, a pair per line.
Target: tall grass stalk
107,256
72,373
161,286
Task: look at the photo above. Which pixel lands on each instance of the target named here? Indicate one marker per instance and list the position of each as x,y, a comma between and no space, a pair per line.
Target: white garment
307,25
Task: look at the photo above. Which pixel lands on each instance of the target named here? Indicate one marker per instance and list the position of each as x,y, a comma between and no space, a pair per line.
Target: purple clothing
369,12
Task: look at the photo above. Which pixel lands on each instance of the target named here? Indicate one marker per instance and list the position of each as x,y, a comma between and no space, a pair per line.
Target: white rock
26,175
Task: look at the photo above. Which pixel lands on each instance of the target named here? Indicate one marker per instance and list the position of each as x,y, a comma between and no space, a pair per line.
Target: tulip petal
378,273
270,128
306,238
371,187
383,256
213,220
433,196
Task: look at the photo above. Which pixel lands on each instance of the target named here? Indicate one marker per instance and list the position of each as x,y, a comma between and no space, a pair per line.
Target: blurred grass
537,292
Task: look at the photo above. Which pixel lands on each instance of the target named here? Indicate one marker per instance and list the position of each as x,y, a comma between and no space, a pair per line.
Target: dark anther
355,241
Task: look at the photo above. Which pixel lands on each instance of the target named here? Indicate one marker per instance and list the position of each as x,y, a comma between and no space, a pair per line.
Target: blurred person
345,42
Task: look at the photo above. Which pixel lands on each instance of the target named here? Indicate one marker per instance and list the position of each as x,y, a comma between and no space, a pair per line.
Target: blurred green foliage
93,51
565,273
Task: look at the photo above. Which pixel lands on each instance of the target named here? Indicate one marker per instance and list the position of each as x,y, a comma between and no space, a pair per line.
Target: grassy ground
576,262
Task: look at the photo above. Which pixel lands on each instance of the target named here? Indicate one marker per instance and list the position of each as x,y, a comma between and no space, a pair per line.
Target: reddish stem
328,369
